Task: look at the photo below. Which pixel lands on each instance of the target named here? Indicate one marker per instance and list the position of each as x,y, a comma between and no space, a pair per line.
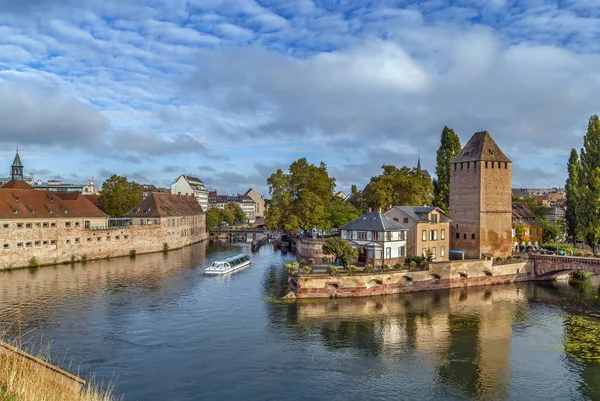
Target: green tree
213,217
535,205
118,195
449,149
551,232
342,213
341,249
398,187
227,216
572,192
520,233
238,214
301,198
588,206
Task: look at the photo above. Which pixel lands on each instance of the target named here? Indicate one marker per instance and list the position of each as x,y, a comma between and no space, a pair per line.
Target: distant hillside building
480,199
188,185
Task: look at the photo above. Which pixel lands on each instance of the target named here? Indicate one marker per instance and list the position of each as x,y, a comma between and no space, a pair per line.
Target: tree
341,248
342,213
238,214
551,232
118,195
520,233
301,198
588,211
535,205
449,149
572,192
213,217
398,187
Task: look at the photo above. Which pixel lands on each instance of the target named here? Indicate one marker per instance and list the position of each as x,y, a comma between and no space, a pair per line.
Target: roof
163,205
32,203
149,188
17,184
17,161
481,146
522,214
520,193
195,183
95,199
80,203
373,221
419,213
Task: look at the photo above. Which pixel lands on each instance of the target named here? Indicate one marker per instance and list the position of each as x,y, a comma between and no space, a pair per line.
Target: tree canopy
341,248
341,213
535,205
301,198
238,214
572,192
398,187
588,196
216,216
118,195
449,149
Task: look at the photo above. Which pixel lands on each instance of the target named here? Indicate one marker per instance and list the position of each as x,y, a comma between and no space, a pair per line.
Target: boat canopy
237,259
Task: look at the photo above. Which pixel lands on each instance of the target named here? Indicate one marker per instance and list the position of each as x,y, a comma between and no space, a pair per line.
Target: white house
379,239
188,185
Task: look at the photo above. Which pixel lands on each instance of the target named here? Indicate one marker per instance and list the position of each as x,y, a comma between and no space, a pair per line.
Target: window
443,233
433,235
401,251
388,253
117,237
388,236
424,236
362,235
443,252
19,225
457,236
6,246
402,235
472,236
405,220
424,252
50,211
108,238
433,253
465,236
28,225
89,239
486,166
77,241
37,243
434,218
67,224
45,225
126,236
6,226
76,224
68,241
19,245
52,224
45,242
37,224
155,221
99,239
53,242
86,224
31,211
28,244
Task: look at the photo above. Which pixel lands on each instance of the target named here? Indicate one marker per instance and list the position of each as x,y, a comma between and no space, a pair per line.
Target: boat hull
226,271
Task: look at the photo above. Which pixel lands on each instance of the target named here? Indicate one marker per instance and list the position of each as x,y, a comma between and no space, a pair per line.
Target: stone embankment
450,274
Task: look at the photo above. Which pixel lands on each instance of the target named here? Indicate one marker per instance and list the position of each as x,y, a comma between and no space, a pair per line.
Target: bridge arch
546,266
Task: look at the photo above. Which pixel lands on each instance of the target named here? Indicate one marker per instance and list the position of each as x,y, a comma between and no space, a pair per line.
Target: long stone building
480,199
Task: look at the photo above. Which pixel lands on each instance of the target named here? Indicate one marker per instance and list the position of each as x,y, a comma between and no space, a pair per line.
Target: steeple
419,163
16,172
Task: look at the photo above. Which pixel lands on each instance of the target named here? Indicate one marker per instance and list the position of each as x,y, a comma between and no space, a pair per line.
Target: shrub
498,260
333,270
368,268
509,258
307,269
33,262
412,265
73,259
424,264
325,259
132,253
580,274
165,247
385,266
398,266
310,261
303,262
84,257
352,269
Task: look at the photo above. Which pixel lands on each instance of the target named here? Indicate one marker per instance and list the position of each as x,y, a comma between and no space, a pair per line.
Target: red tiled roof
162,205
17,184
95,199
81,204
32,203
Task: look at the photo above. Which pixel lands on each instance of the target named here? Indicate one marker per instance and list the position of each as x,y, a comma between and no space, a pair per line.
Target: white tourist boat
228,265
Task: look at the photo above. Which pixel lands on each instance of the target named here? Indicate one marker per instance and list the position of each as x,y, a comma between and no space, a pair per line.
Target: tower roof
481,146
17,161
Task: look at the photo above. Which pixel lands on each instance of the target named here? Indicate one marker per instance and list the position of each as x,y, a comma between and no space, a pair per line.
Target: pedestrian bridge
548,265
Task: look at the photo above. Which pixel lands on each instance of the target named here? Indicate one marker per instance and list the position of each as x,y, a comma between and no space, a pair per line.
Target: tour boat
228,265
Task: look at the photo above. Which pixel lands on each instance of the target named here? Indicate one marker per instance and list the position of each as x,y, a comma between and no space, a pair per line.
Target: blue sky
231,90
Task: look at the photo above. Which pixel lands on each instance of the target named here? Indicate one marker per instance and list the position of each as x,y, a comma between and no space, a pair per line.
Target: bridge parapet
547,265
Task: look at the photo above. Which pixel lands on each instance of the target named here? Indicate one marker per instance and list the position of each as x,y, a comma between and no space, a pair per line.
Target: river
165,331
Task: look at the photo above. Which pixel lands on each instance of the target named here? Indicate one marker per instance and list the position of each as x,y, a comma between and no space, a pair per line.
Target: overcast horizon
230,91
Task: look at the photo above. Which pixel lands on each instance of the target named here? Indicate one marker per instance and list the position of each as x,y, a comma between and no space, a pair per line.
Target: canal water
164,331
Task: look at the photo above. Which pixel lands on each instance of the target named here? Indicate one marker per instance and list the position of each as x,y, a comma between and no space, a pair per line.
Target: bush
73,259
84,257
292,268
398,266
352,269
310,261
303,262
307,269
413,265
165,247
368,268
424,264
132,253
509,258
325,259
333,270
33,262
498,260
580,274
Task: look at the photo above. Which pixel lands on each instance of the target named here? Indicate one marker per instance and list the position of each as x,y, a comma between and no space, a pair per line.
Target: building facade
480,199
379,239
524,219
428,230
245,202
188,185
259,202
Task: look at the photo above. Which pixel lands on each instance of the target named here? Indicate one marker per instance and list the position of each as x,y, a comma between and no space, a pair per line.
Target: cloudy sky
231,90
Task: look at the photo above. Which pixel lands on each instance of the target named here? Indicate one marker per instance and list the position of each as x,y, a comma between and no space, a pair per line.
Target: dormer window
31,211
16,211
66,211
50,211
17,198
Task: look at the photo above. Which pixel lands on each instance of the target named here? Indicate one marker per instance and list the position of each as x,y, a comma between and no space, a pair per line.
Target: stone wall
311,248
448,274
58,243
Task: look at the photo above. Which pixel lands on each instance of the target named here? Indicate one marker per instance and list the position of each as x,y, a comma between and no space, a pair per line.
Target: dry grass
26,378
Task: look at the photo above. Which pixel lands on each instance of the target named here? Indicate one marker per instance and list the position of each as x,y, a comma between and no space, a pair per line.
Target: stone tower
16,170
480,199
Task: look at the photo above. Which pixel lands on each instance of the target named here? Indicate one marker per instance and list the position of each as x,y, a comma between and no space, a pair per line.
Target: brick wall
52,241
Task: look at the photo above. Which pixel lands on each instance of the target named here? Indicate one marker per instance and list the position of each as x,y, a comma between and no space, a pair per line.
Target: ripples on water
168,332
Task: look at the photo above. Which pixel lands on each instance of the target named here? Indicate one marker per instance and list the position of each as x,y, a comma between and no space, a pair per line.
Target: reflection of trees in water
582,342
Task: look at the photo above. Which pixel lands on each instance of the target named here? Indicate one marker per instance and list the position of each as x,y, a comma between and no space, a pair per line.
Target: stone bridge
549,265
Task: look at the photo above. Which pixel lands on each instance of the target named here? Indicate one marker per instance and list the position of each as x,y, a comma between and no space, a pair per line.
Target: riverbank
441,275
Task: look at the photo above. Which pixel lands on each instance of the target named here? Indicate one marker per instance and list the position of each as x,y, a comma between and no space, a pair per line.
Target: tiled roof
95,199
17,161
149,188
373,221
163,205
522,214
17,184
80,203
32,203
481,146
419,213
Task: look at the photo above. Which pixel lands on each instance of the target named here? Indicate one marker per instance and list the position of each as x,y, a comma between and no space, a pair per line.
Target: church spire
419,163
16,171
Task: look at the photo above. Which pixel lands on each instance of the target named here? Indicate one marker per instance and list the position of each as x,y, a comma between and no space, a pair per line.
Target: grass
23,380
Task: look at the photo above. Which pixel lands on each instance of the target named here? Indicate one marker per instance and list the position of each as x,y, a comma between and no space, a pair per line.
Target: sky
232,90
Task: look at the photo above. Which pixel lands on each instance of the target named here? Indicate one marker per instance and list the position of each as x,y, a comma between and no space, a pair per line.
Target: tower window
454,166
492,164
461,166
457,236
464,236
506,165
472,236
474,166
486,166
